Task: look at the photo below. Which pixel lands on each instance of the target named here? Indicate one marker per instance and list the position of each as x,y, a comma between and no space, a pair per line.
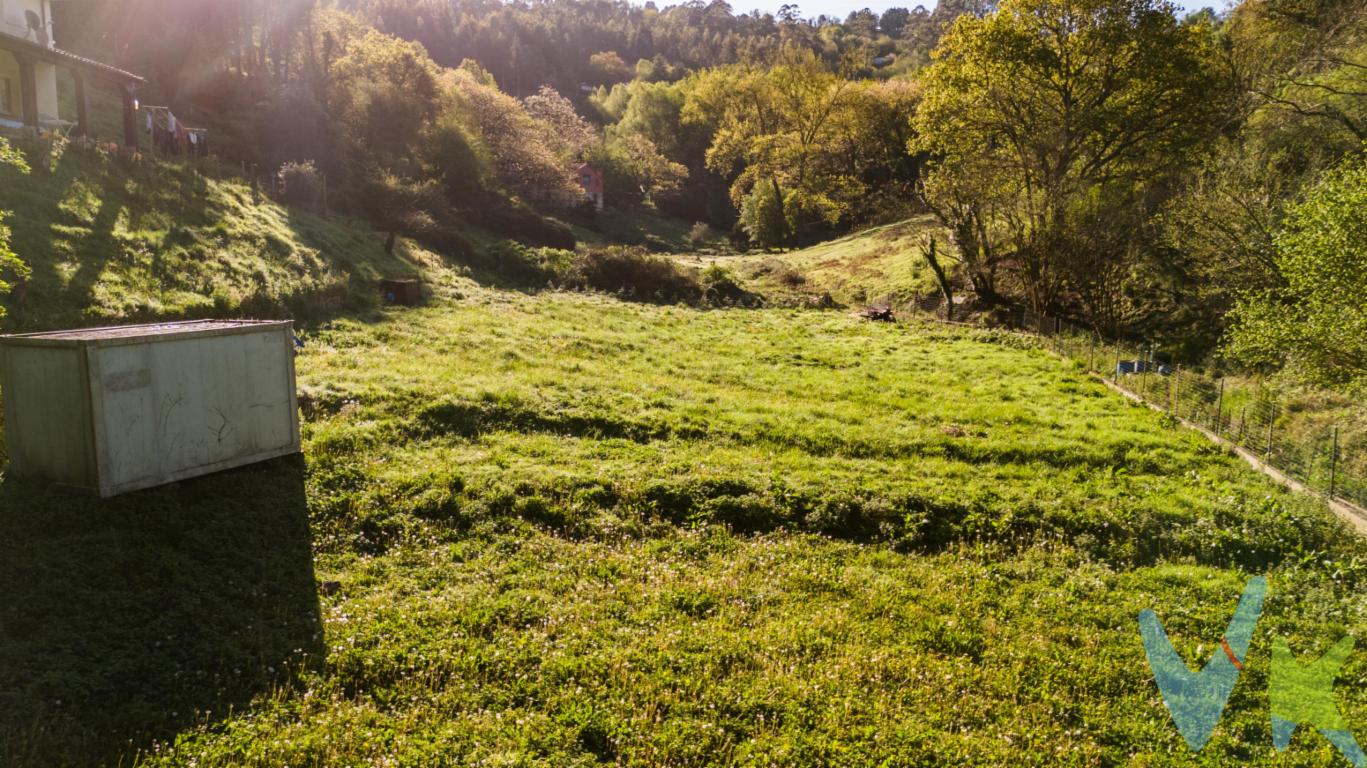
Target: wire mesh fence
1256,421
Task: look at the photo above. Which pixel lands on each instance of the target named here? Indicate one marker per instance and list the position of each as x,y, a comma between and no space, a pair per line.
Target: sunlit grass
571,530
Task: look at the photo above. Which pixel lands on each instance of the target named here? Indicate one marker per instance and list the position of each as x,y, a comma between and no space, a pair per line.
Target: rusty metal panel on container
151,404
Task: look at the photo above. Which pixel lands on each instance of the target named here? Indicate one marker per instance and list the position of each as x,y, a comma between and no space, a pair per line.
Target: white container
119,409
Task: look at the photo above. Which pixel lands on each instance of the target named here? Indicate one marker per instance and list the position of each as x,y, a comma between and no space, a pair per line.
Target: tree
401,205
1049,116
384,94
522,151
779,128
893,21
11,266
1306,59
570,133
931,254
1297,100
656,174
609,67
1316,324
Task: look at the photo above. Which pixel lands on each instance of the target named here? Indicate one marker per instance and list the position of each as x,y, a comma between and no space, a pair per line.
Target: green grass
636,227
871,265
108,244
570,530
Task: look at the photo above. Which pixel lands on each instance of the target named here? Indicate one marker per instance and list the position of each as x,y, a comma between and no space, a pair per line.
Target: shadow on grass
127,620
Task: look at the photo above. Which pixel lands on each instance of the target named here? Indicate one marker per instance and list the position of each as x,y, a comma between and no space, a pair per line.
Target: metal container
119,409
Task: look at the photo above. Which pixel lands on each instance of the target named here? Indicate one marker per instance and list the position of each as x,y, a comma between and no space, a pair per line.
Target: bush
722,289
520,223
530,266
301,185
446,239
699,234
637,274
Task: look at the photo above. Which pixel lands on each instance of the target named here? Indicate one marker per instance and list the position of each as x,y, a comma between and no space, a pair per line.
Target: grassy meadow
870,265
558,529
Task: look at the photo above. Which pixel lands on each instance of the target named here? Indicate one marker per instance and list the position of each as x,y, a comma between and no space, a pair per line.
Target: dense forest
1197,179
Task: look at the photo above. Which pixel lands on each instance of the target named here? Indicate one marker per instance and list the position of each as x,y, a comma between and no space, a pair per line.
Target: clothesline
172,134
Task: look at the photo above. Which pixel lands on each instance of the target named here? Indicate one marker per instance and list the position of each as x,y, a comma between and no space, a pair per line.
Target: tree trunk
933,259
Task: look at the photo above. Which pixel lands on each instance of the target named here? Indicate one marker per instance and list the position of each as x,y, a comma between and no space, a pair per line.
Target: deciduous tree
1046,112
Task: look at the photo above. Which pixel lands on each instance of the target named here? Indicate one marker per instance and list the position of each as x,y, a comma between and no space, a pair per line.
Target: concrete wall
14,22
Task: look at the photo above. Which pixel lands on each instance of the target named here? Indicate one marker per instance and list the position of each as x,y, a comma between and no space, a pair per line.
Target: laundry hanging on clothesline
173,136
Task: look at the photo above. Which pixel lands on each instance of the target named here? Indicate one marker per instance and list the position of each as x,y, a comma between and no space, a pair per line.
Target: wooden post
82,106
1271,423
130,119
28,90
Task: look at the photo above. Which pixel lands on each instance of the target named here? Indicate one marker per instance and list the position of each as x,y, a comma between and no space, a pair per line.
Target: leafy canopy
1317,323
1051,118
11,266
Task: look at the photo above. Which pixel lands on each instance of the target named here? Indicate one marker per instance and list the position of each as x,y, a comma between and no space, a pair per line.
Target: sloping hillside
108,242
872,265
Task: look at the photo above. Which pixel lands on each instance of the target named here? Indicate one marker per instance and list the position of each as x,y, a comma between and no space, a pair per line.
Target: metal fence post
1172,388
1243,424
1271,423
1334,465
1220,408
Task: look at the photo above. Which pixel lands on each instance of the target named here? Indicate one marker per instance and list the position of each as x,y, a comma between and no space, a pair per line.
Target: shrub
722,289
520,223
531,267
301,185
699,234
637,274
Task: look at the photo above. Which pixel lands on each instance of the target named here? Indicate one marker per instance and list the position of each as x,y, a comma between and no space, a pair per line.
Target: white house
31,65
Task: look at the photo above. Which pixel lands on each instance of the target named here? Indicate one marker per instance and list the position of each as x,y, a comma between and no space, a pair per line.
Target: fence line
1255,421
